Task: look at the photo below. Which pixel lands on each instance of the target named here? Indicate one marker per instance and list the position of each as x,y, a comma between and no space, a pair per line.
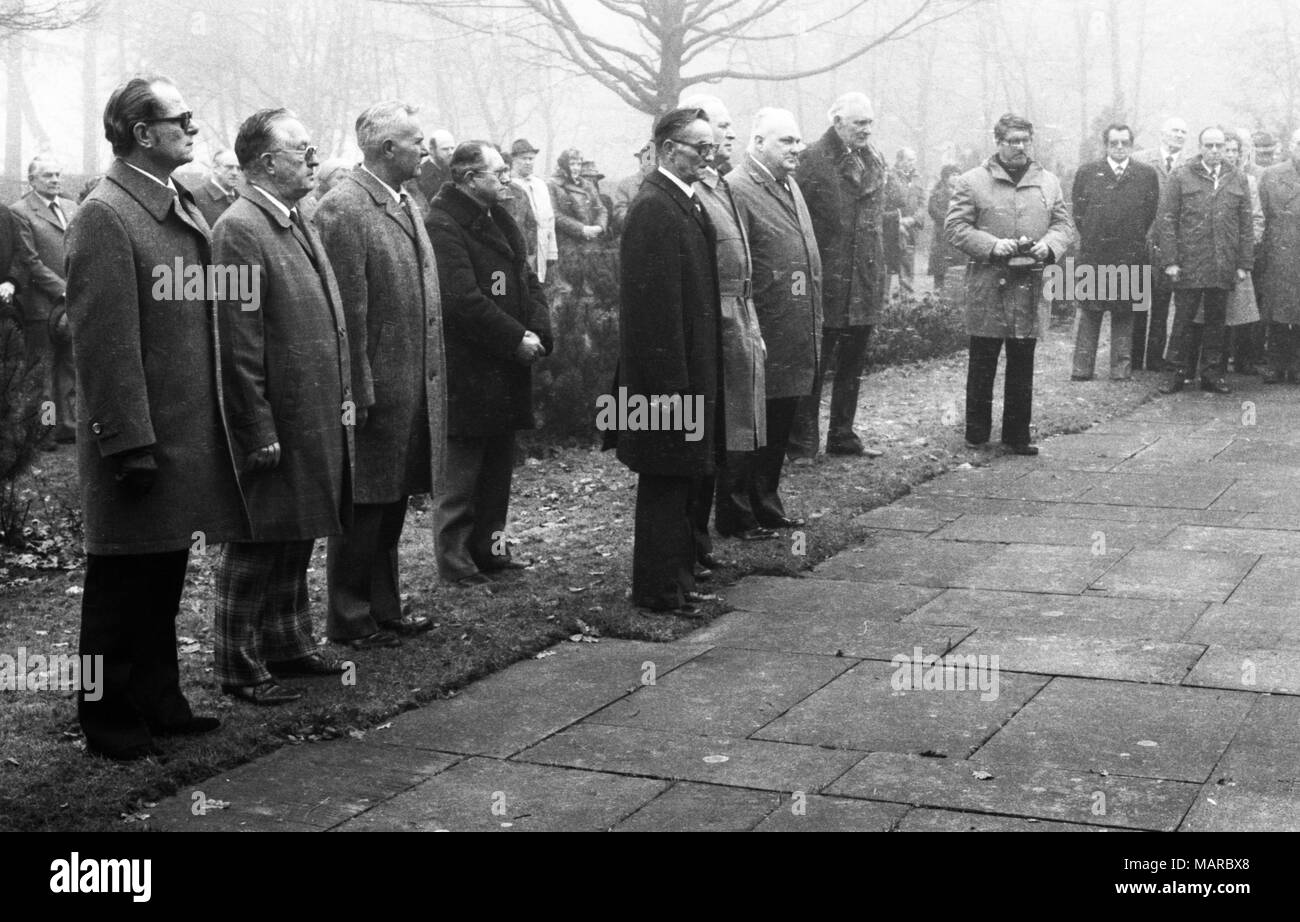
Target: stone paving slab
1034,790
902,518
1265,753
1086,451
978,481
731,761
788,596
974,505
1228,809
487,795
1087,657
689,807
1233,540
1250,627
832,634
833,814
724,692
1176,452
1038,614
929,820
1148,573
1270,582
1164,490
1051,486
862,710
1268,520
1151,731
908,560
515,708
1255,495
310,786
1234,667
1026,529
1038,568
1251,450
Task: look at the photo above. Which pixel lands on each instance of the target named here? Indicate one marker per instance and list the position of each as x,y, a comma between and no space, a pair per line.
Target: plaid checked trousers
262,610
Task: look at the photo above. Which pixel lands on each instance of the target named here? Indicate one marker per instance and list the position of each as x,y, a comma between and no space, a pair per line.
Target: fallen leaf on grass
981,776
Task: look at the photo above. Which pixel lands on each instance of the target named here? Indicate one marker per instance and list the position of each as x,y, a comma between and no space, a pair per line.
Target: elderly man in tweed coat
285,369
157,474
388,279
788,296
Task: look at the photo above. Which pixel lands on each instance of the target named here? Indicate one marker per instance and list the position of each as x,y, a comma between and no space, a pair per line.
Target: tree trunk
14,107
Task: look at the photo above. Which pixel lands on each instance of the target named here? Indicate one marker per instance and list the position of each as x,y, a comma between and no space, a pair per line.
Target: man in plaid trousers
286,374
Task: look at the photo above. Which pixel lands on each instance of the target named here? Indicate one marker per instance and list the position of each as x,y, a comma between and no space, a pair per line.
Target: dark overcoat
1208,233
388,279
212,202
11,269
42,252
490,297
787,277
670,325
845,195
285,372
147,360
1114,216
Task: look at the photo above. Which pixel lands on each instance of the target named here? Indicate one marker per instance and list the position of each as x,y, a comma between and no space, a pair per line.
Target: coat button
97,428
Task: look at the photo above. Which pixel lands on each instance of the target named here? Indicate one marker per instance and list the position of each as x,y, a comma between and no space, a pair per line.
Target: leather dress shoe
1218,386
854,448
266,694
474,579
193,727
409,625
1027,450
371,642
783,522
313,664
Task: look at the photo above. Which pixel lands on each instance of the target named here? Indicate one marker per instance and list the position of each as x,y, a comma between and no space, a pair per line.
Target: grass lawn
571,513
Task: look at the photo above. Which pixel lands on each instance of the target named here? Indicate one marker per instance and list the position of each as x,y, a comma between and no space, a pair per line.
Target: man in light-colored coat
788,296
288,386
388,278
41,218
1009,217
157,473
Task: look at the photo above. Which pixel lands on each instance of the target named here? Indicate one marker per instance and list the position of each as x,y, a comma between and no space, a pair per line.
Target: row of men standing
365,370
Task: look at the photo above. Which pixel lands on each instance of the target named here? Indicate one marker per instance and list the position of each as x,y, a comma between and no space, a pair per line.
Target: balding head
775,141
724,134
852,117
442,146
1173,134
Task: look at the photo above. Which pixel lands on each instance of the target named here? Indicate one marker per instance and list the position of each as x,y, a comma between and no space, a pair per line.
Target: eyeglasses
502,174
1018,142
183,120
703,148
308,153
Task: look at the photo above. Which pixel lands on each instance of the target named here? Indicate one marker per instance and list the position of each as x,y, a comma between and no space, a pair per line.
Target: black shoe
410,625
1026,450
192,727
265,694
977,446
852,449
1215,387
783,522
313,664
371,642
474,579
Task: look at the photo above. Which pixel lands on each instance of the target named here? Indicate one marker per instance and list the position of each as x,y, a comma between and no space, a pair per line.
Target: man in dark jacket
497,325
1206,243
288,386
843,178
671,357
157,474
10,272
1115,202
222,187
388,279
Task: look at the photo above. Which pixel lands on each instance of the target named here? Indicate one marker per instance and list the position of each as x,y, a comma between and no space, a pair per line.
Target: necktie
1119,174
58,215
1169,164
300,231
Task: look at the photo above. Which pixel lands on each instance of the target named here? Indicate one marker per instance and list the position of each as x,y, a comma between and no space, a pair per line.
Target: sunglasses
184,120
703,148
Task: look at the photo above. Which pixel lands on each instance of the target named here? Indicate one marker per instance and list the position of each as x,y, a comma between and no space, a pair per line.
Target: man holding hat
543,251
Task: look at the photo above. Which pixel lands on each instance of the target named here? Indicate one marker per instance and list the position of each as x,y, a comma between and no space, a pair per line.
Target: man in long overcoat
1206,243
1279,194
497,324
788,296
1115,202
285,370
157,472
843,178
1151,328
1006,199
388,279
671,348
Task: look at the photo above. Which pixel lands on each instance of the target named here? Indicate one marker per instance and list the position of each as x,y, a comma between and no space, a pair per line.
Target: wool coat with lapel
1114,216
148,358
388,279
212,202
744,387
845,194
43,252
1207,232
670,326
787,277
490,297
1279,283
285,372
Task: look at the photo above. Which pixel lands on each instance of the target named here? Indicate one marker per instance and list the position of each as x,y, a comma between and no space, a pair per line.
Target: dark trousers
749,486
1149,329
263,612
1213,356
1018,394
663,544
701,506
1247,346
1284,348
58,377
469,518
361,571
128,616
847,348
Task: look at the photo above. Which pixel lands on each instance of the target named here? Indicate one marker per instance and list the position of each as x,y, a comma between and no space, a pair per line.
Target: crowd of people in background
401,302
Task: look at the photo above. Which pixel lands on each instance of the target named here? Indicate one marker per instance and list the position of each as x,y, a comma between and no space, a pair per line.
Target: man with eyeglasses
843,178
287,386
1205,234
157,471
671,352
388,280
1115,202
497,326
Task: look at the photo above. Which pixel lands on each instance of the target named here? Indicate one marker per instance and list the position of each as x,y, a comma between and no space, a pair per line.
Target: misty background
590,73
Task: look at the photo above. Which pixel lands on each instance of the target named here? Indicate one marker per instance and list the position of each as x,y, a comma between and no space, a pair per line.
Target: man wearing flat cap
539,231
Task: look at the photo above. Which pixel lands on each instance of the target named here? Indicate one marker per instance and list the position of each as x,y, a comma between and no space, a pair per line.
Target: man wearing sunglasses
157,473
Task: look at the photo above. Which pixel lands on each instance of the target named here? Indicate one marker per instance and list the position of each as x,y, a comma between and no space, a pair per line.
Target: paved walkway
1137,584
